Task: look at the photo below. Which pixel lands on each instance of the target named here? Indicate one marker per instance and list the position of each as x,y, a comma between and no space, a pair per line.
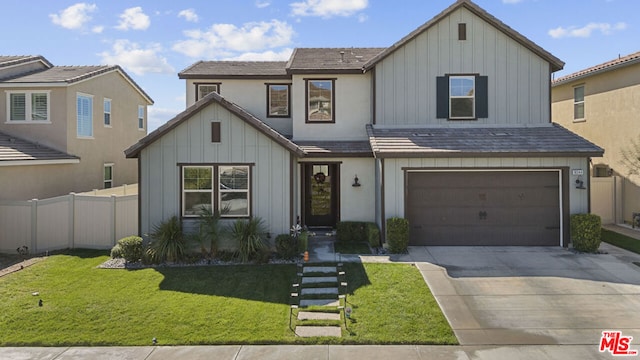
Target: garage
484,208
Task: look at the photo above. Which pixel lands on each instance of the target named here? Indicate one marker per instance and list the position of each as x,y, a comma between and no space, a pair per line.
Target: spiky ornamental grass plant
168,241
248,235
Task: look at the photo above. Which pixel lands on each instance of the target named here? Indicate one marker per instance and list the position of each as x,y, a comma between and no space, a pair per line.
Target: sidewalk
624,230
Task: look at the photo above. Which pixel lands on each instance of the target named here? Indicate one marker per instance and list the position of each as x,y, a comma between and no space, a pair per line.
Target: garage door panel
494,208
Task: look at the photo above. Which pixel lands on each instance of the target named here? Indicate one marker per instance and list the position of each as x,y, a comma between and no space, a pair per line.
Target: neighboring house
63,128
450,128
602,104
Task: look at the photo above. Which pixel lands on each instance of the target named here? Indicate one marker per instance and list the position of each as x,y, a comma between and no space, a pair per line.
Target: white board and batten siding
394,181
190,143
518,79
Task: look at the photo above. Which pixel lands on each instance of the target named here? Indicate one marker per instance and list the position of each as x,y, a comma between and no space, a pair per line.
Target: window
140,117
462,97
320,101
229,196
28,106
108,176
278,100
578,103
203,90
85,115
107,112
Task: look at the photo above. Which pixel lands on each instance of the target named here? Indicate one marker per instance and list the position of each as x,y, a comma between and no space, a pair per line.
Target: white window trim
89,137
105,112
185,191
28,109
584,117
215,189
144,117
199,94
247,191
473,97
104,181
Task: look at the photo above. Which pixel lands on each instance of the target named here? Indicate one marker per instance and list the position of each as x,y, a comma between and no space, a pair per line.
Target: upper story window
578,103
28,106
203,90
140,117
278,100
107,112
84,110
320,96
462,97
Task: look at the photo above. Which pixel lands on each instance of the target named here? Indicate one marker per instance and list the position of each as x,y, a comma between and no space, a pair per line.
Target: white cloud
328,8
189,15
75,16
262,4
585,31
269,55
97,29
227,40
159,116
136,59
133,18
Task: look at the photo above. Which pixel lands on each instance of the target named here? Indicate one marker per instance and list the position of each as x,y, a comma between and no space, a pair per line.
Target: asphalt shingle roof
313,60
539,141
217,69
336,148
15,149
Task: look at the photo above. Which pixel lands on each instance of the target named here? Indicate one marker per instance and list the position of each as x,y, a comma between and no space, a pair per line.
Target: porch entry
320,194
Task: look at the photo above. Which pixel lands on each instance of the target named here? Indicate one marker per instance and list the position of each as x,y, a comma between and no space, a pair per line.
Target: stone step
314,315
319,302
315,331
319,279
319,291
319,269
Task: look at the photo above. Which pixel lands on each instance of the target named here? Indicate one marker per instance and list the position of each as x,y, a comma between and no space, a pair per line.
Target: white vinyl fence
70,221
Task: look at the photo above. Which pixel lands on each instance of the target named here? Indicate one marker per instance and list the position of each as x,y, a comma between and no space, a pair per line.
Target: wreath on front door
320,177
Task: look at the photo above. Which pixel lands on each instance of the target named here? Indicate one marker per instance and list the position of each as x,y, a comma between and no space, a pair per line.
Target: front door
320,194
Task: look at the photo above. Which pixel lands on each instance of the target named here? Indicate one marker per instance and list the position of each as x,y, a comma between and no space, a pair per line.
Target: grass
244,304
352,248
621,241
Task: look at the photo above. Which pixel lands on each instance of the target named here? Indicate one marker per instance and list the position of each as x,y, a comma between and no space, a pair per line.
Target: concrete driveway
534,295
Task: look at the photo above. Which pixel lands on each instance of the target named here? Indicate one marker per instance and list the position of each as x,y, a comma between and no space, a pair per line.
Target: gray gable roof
540,141
222,69
556,64
11,60
13,149
614,64
134,150
330,60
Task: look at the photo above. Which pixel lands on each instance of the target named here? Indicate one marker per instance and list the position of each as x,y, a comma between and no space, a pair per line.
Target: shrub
286,246
303,241
168,241
263,256
248,236
586,232
373,235
131,247
358,231
398,235
116,252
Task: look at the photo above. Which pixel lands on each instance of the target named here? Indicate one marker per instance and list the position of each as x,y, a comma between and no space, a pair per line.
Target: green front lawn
244,304
621,241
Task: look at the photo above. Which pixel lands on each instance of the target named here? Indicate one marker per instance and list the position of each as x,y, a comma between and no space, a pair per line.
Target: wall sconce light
356,181
580,183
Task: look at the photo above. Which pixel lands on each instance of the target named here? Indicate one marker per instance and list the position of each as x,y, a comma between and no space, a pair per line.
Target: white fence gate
70,221
606,199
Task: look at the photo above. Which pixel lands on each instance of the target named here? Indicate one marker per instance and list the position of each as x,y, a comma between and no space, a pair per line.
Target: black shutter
442,93
482,97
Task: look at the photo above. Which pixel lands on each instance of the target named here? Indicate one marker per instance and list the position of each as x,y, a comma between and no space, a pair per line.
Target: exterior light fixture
356,181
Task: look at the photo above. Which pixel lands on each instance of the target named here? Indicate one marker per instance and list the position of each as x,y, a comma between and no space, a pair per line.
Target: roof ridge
605,66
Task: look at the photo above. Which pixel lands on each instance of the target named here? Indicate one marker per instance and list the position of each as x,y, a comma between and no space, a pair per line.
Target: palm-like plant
248,234
168,241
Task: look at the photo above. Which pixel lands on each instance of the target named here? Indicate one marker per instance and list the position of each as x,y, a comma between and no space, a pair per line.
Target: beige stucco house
602,104
64,128
450,127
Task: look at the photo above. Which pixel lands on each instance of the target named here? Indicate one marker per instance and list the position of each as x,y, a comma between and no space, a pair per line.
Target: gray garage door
484,208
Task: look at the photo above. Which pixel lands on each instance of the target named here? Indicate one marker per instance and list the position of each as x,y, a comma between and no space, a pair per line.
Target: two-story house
63,128
450,127
601,103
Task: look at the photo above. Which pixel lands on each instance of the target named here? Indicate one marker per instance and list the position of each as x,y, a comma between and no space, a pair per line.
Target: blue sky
155,39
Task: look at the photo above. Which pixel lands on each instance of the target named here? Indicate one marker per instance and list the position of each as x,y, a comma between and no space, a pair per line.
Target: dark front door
320,194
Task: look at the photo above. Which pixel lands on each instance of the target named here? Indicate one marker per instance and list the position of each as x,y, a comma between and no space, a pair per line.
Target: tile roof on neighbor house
539,141
330,60
556,64
607,66
335,148
10,60
73,74
222,69
16,151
